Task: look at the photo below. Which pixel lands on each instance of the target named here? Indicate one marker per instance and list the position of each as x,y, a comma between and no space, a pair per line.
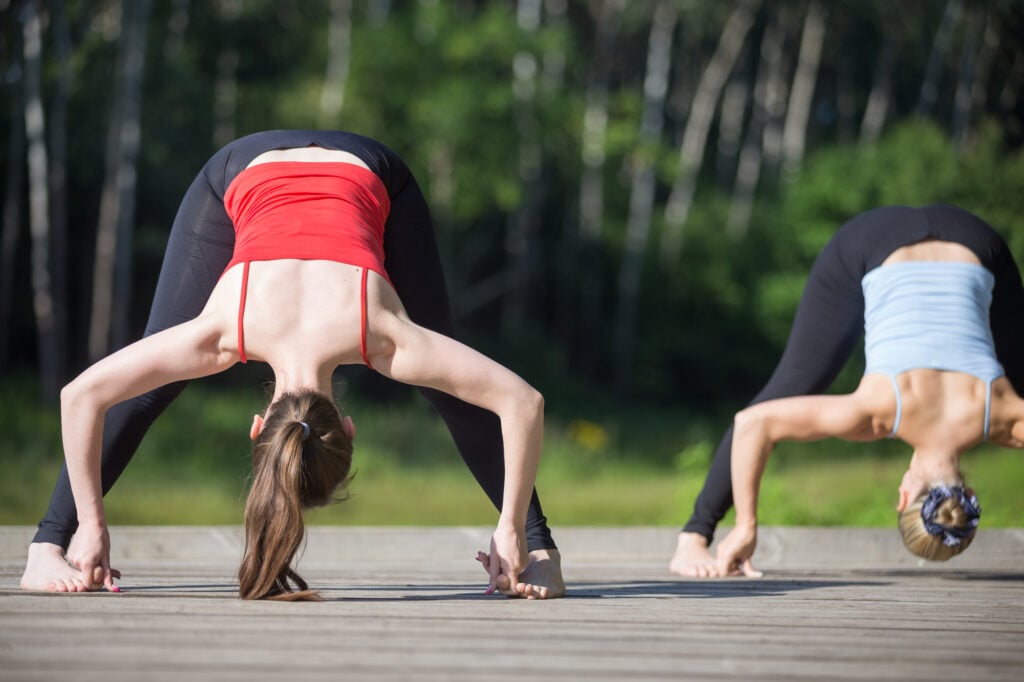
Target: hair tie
305,431
951,536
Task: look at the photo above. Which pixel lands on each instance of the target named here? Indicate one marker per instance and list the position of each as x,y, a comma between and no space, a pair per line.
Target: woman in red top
305,250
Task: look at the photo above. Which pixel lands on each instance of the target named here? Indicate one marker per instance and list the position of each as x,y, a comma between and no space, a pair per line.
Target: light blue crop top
930,315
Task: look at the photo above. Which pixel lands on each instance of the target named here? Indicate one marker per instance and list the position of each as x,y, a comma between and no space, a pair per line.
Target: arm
186,351
422,357
756,432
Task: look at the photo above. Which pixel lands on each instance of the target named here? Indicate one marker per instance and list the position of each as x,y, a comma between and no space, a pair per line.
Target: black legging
200,247
829,320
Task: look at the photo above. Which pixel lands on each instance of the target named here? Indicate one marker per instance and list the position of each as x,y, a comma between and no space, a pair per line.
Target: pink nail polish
115,588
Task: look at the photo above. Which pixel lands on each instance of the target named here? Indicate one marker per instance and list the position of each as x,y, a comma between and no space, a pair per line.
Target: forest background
628,196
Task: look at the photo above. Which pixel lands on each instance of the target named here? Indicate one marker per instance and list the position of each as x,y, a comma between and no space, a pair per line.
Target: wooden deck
408,604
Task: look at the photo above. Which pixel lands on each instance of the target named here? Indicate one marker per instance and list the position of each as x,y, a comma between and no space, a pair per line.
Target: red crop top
309,211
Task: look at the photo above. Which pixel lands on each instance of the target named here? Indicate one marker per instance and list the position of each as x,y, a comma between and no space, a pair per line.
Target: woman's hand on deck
90,553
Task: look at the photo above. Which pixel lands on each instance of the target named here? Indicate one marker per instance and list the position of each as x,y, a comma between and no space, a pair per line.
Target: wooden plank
388,618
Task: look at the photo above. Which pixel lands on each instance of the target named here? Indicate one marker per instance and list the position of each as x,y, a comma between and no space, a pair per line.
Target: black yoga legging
200,247
829,320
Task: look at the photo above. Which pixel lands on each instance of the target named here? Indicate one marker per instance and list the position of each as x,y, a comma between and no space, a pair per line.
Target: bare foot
693,559
541,579
47,571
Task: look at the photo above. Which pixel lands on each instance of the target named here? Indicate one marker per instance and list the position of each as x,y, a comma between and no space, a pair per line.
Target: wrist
745,521
508,523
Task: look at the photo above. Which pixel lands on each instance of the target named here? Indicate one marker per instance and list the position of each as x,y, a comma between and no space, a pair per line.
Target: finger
505,586
108,579
493,566
750,571
88,570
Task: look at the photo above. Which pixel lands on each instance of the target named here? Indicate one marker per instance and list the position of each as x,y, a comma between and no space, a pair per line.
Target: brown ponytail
292,470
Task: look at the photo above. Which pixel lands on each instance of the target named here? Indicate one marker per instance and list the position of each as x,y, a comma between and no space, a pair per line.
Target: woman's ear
349,427
257,427
904,500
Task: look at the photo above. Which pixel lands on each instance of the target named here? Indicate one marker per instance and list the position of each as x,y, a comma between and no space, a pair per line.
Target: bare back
941,409
308,309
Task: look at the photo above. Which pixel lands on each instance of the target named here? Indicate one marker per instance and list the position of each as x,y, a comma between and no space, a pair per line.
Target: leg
829,322
414,266
957,225
1006,318
199,247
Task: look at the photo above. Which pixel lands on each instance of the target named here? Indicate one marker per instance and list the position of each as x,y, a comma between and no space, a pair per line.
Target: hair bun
954,524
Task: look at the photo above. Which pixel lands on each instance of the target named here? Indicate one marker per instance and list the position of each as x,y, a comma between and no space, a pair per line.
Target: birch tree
14,184
58,181
112,271
698,125
986,59
593,158
177,25
641,196
794,133
767,93
877,108
521,246
963,100
225,88
38,202
937,57
339,50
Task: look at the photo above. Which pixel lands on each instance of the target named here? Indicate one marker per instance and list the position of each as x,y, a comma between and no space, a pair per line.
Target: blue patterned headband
951,536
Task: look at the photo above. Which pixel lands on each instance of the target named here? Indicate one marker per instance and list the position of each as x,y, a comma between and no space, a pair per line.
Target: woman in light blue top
932,380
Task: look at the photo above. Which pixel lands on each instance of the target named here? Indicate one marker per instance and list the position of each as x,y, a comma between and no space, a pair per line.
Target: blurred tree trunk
339,49
846,110
177,25
521,245
14,184
730,131
967,74
58,182
798,112
769,88
38,203
937,57
1011,88
225,88
698,125
111,300
877,108
378,11
641,196
583,272
986,59
775,97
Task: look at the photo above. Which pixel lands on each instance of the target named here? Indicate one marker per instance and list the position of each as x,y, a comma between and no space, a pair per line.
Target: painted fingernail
490,590
115,588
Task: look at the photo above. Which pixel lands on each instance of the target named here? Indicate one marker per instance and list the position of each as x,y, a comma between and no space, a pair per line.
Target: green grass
601,467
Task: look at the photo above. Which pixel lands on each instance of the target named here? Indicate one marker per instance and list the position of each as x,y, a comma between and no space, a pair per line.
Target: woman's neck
297,378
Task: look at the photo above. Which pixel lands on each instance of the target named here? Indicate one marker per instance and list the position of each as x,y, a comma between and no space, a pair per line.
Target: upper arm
186,351
423,357
807,418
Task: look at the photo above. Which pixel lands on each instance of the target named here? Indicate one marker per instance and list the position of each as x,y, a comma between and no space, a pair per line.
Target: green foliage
600,467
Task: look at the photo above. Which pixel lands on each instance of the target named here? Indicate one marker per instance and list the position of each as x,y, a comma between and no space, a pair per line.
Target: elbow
528,403
747,422
71,395
535,401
